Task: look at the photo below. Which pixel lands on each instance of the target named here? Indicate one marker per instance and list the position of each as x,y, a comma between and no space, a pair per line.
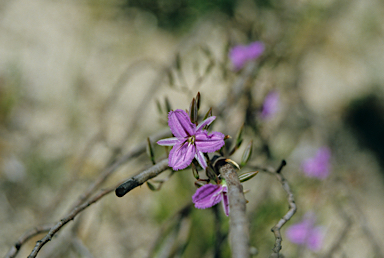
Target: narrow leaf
206,51
199,183
239,136
150,153
209,113
236,147
178,61
193,111
194,171
246,154
247,175
158,105
170,78
209,68
198,100
211,174
167,105
151,186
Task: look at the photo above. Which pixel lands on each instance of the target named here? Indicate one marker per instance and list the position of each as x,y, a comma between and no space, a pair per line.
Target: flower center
191,140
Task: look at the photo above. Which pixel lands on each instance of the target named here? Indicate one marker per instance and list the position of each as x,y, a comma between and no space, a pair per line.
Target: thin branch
112,168
292,206
141,178
70,216
145,175
162,233
239,228
292,209
342,237
25,237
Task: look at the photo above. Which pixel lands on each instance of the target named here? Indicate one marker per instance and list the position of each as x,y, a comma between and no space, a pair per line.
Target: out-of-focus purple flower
271,105
209,195
191,141
306,233
318,166
241,54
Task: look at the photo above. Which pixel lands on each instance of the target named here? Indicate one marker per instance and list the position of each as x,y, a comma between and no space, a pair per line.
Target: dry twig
145,175
292,207
141,178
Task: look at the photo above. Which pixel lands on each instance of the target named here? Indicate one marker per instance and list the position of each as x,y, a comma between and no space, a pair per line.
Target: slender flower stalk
209,195
190,141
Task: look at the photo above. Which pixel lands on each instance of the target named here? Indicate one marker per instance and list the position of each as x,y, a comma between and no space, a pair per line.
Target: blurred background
83,82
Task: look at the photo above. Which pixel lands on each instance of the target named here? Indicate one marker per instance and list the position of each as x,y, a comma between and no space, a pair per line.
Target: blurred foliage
263,219
9,92
178,14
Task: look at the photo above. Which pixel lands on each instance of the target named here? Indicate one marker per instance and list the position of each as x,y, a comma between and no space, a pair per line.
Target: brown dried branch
25,237
141,178
292,207
103,176
145,175
239,228
70,216
112,168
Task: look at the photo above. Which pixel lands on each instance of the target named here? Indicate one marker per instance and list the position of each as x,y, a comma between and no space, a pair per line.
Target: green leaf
208,114
158,105
194,171
170,78
193,111
246,154
167,105
239,136
150,153
198,100
247,175
151,186
178,62
236,147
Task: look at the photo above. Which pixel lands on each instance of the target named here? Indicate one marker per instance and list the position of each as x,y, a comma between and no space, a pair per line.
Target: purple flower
305,233
318,166
241,54
209,195
191,141
271,105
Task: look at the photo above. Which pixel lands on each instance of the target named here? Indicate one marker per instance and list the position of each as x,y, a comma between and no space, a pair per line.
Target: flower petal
207,121
319,165
255,49
271,105
180,124
209,143
315,239
299,232
181,155
238,56
201,159
207,196
225,202
168,141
